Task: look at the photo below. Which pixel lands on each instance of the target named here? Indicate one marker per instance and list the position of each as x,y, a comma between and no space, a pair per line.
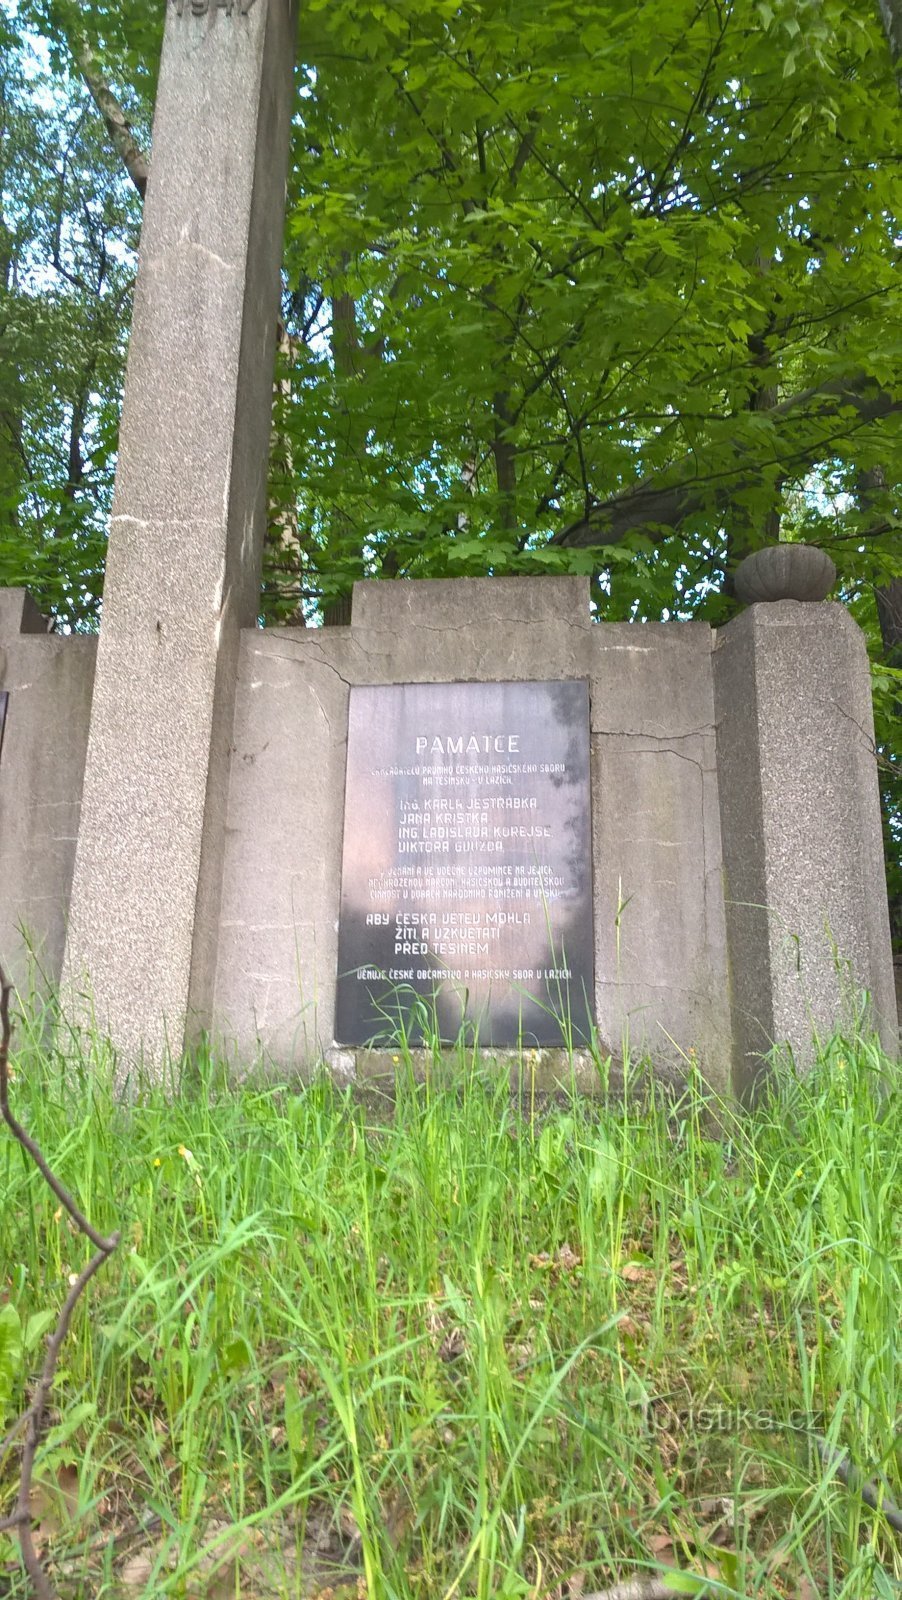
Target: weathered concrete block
800,814
660,936
48,679
447,603
187,527
19,614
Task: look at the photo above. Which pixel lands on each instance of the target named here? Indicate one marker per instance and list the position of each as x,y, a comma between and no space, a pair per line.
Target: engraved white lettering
202,8
477,744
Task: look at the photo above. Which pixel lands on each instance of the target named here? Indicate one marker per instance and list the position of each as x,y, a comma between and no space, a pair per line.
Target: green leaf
685,1582
58,1437
36,1327
11,1355
236,1354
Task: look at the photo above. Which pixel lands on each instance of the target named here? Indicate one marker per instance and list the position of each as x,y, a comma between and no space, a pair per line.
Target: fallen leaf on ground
136,1571
629,1327
54,1504
634,1272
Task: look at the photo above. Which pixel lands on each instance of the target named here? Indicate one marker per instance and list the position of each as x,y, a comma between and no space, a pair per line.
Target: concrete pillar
187,527
807,920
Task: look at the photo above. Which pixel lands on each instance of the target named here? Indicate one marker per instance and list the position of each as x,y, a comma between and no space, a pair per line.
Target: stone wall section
738,877
49,680
661,962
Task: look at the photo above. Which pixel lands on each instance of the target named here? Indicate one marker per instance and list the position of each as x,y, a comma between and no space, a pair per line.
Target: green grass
452,1346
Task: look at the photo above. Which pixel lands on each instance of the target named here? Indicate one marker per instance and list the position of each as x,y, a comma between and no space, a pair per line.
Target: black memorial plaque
466,893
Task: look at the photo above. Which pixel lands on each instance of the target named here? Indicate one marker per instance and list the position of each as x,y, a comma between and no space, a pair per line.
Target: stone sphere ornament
784,572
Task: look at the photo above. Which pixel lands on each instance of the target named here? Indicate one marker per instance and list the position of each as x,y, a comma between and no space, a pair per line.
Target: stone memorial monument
472,808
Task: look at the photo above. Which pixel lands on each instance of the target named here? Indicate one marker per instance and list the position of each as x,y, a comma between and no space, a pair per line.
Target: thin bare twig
25,1139
636,1589
34,1418
868,1490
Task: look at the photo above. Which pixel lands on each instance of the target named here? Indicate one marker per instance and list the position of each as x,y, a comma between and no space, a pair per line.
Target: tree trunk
504,455
282,559
11,458
889,611
349,444
891,17
871,483
746,532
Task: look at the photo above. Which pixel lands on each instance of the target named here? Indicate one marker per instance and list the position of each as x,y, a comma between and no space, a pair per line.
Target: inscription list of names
466,873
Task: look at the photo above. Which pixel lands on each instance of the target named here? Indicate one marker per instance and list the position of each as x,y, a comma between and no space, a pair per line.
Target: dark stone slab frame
467,898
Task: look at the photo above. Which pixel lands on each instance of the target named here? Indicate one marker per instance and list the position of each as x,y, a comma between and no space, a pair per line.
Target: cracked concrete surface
50,679
711,871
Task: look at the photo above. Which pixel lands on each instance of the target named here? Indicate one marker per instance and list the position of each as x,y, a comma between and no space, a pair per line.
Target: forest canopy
579,287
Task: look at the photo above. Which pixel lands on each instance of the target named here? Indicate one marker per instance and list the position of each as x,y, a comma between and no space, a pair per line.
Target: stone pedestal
807,920
188,519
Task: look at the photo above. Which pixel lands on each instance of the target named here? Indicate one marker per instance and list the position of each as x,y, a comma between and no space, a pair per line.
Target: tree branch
667,504
117,123
525,147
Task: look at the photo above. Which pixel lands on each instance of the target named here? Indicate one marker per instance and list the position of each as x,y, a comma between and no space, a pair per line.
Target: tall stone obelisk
187,527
